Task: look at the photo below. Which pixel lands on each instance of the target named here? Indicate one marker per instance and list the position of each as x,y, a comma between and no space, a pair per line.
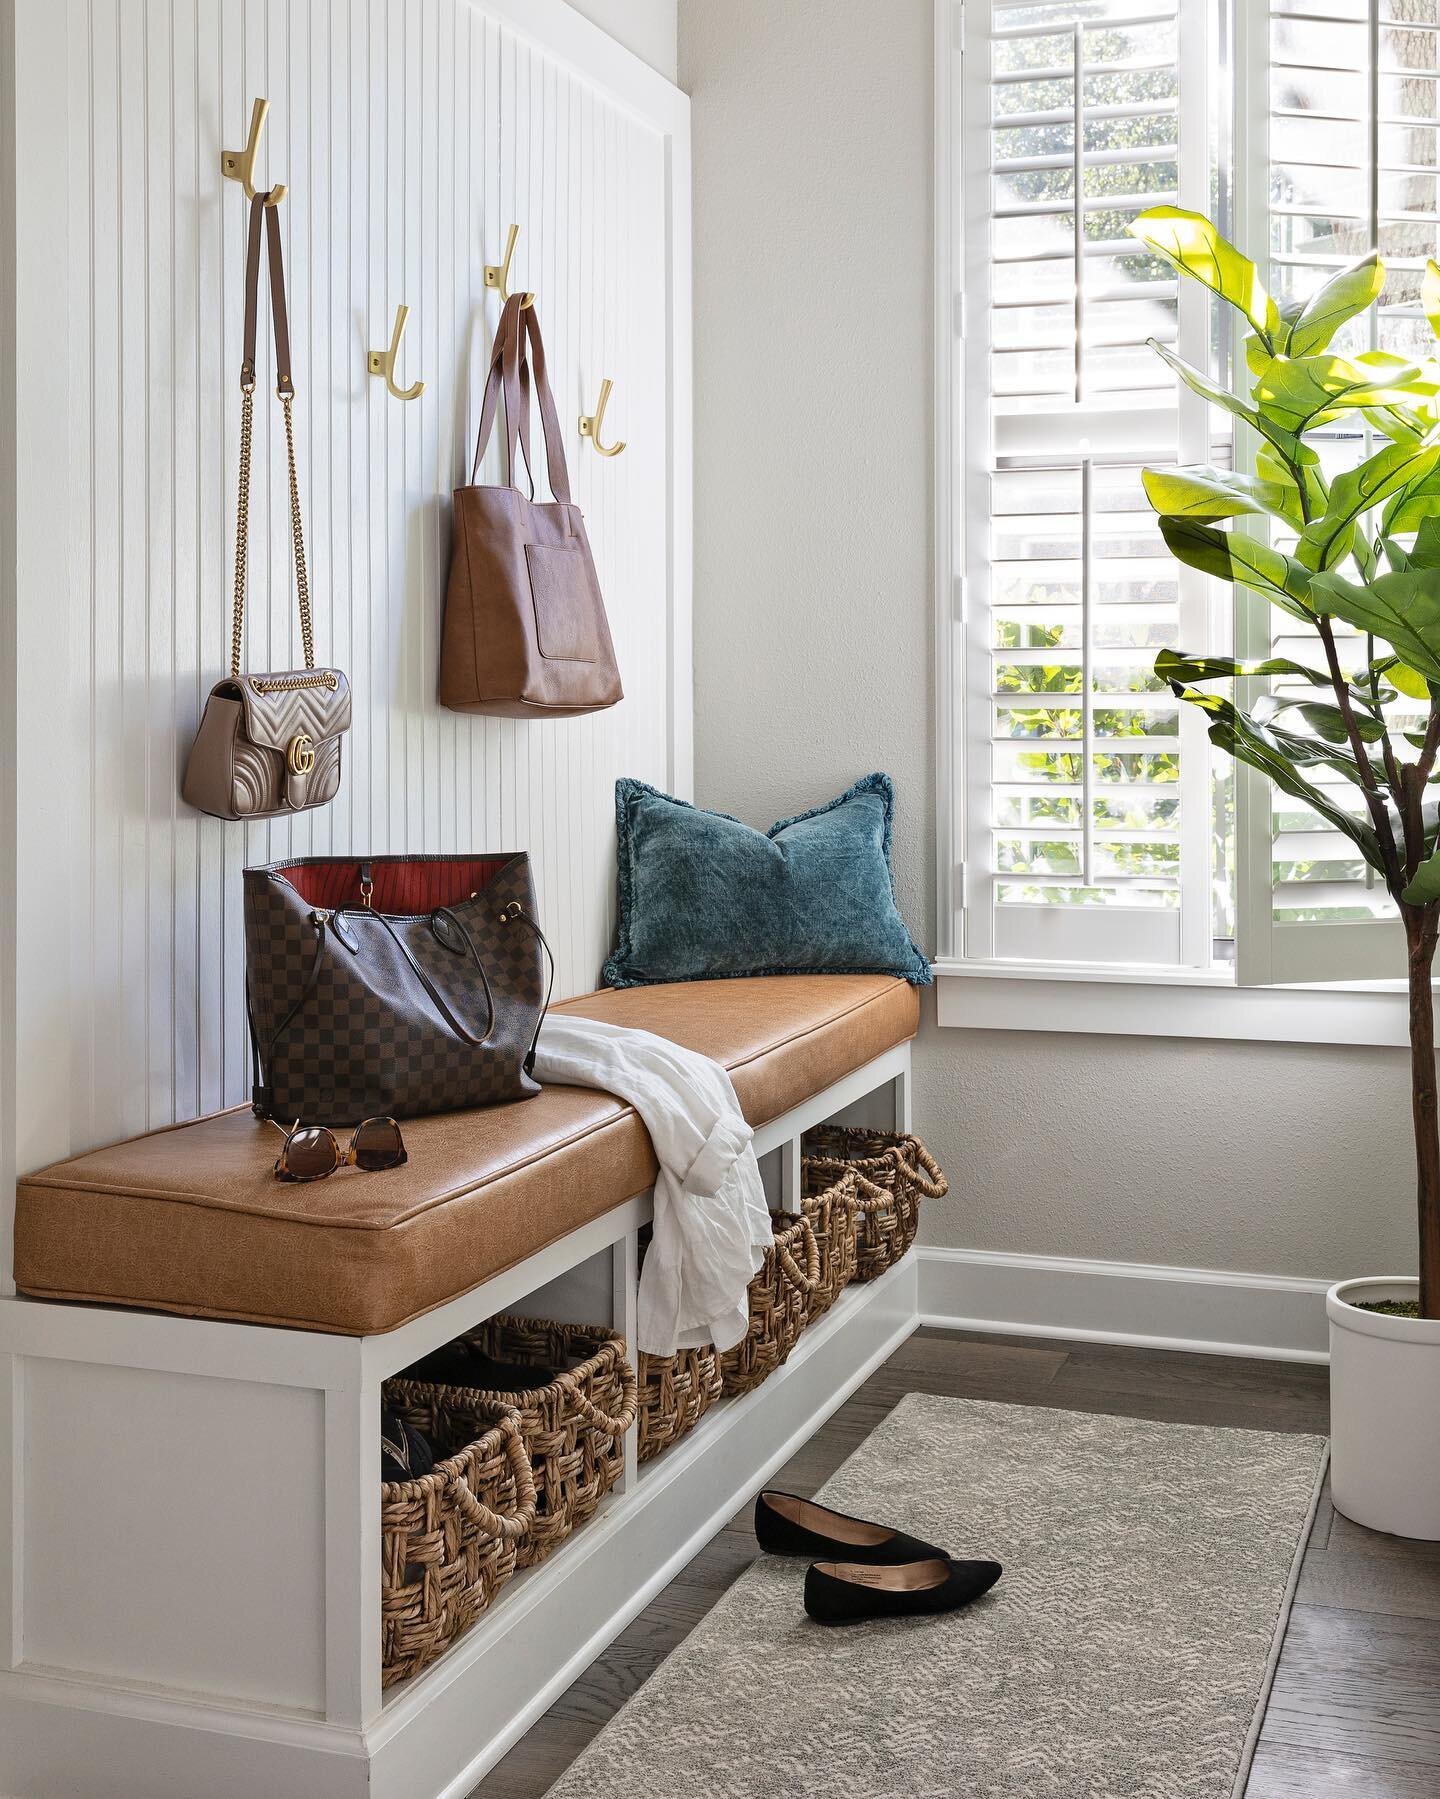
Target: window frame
1245,1001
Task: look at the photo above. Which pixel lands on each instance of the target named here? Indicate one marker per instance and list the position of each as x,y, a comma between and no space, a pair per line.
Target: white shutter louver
1088,795
1353,132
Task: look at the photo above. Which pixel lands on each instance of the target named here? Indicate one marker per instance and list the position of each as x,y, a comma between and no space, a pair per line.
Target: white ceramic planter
1384,1411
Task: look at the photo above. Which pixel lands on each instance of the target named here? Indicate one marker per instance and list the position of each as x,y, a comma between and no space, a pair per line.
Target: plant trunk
1420,935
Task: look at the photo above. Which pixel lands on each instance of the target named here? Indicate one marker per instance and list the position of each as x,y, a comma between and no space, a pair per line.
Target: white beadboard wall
410,133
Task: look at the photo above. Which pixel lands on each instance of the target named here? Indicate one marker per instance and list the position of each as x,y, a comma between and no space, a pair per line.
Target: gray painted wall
812,151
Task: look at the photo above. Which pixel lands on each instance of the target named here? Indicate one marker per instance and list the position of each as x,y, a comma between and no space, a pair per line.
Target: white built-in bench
192,1529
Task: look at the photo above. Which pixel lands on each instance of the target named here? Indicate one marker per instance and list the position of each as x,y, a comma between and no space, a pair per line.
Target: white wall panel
410,133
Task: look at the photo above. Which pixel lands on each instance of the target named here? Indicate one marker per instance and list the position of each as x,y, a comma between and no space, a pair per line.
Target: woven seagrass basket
894,1172
450,1540
676,1391
834,1217
779,1305
573,1429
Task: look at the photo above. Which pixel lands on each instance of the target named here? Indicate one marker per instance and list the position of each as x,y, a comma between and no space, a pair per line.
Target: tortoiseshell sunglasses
311,1151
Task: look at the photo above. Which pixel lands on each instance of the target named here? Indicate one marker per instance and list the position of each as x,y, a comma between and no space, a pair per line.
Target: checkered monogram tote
393,986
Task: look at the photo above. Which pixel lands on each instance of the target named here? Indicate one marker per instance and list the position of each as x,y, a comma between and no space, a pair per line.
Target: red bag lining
401,885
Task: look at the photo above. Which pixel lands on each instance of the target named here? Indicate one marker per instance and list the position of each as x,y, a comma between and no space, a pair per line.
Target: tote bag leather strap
517,356
504,376
285,388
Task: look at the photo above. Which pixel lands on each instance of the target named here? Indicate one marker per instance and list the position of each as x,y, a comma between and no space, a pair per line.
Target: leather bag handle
518,356
438,999
285,388
503,368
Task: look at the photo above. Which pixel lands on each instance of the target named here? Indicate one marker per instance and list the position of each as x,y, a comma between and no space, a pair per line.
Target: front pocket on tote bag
564,602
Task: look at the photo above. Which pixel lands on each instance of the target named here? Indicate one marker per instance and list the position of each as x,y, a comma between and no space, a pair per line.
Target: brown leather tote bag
391,986
525,629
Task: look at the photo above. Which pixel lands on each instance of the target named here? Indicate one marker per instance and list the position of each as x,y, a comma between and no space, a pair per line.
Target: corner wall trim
1207,1311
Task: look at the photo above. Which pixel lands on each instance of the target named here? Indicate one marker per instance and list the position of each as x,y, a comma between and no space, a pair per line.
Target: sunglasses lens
310,1153
378,1144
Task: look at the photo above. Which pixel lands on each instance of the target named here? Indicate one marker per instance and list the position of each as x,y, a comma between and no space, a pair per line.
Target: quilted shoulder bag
268,744
392,986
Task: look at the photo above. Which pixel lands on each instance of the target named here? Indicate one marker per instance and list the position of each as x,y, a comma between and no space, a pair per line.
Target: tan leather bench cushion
191,1219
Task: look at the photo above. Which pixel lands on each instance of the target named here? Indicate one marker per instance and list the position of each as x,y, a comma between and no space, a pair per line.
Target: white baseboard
1212,1311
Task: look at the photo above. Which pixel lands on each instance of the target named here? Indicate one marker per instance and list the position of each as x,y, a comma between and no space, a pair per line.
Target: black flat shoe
788,1525
848,1592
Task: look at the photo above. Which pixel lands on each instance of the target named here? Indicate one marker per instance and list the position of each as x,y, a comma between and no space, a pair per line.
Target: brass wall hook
239,165
497,275
382,362
591,423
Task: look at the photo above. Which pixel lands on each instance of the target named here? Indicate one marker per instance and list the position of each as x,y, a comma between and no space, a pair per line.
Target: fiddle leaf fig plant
1364,551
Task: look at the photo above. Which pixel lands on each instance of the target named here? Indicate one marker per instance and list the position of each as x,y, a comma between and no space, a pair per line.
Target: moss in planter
1391,1308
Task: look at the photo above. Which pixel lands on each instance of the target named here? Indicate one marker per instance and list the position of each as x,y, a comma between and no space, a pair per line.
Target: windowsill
1158,1002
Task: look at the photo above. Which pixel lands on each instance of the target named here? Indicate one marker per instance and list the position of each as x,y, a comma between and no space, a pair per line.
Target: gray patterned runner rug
1126,1654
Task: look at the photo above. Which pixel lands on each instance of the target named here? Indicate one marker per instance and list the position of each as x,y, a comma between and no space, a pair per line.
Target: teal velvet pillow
704,897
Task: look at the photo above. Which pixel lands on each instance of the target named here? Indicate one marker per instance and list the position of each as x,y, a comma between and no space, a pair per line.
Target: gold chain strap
302,579
242,530
286,391
293,683
242,535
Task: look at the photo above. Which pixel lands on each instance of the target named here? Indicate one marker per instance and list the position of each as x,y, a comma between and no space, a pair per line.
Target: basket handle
869,1197
629,1405
809,1280
923,1171
508,1525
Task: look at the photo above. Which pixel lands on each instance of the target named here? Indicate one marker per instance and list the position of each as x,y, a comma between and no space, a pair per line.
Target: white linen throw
712,1226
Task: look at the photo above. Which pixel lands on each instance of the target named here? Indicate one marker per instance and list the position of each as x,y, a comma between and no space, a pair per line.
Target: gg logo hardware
300,756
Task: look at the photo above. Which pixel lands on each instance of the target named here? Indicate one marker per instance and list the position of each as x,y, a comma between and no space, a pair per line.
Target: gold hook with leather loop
239,165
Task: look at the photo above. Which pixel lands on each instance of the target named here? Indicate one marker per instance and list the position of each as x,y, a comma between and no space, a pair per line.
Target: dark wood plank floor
1356,1704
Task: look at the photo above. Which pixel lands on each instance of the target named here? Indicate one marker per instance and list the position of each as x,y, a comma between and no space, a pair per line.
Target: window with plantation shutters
1094,825
1347,124
1090,834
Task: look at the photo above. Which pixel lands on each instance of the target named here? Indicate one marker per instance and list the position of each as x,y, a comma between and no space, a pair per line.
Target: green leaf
1399,556
1402,609
1189,242
1368,684
1326,721
1327,540
1343,296
1296,393
1425,551
1275,473
1280,755
1403,373
1284,439
1424,885
1412,503
1430,294
1258,353
1396,422
1230,556
1175,667
1409,680
1204,492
